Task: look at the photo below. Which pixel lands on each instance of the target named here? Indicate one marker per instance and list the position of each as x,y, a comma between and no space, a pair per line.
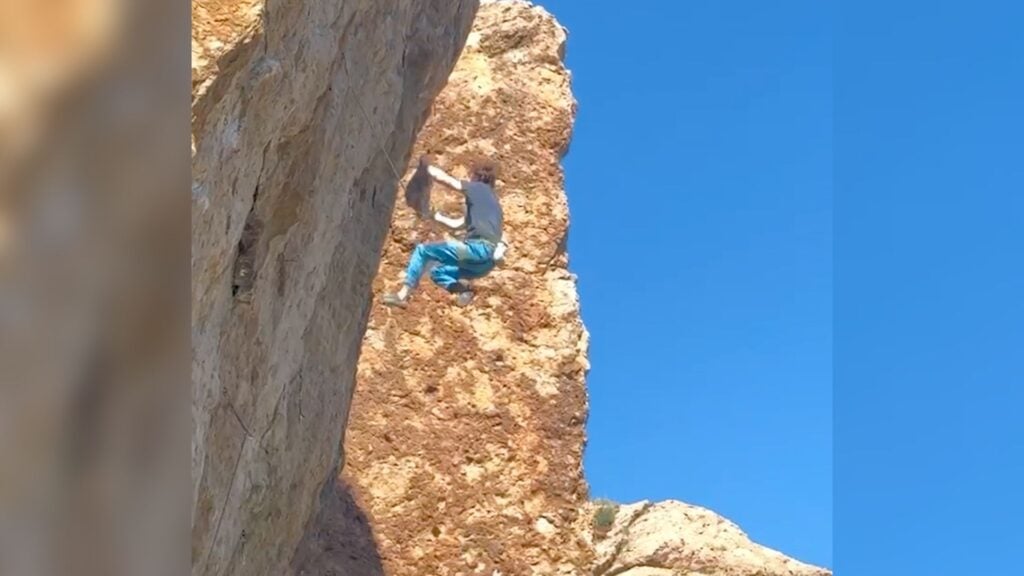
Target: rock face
672,538
464,445
300,110
466,436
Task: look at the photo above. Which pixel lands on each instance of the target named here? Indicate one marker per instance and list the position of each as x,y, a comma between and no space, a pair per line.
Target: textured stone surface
295,104
466,435
672,538
464,445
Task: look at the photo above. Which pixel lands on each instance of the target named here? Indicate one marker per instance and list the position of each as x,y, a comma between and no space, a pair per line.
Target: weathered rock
465,441
300,109
467,429
466,435
671,538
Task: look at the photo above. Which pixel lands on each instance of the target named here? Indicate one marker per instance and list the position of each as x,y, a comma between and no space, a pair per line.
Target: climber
456,261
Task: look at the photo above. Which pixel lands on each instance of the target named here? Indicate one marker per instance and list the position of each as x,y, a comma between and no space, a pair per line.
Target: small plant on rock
604,516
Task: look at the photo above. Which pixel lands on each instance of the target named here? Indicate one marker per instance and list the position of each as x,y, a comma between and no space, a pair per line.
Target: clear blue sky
700,189
775,202
929,288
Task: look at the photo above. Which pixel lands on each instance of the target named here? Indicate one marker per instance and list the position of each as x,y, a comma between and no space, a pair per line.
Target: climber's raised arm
444,178
450,222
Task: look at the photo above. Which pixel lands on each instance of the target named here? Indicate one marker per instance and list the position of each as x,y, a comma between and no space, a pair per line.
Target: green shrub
604,516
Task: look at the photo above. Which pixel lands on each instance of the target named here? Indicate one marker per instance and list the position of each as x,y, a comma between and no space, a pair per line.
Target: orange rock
490,387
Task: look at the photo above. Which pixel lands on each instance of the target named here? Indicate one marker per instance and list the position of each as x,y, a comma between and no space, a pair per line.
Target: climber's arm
444,178
452,223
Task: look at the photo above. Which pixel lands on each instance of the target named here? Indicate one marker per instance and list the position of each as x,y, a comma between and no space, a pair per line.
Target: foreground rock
672,539
299,109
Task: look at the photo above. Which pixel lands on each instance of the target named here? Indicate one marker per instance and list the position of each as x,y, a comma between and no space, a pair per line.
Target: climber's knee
445,276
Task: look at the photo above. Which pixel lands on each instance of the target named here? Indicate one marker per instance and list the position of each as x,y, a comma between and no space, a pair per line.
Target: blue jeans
453,261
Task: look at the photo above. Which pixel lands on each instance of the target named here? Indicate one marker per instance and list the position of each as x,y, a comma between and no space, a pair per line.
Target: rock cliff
300,110
464,445
465,442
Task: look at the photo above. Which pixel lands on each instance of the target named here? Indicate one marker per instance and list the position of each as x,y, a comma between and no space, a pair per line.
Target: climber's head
483,171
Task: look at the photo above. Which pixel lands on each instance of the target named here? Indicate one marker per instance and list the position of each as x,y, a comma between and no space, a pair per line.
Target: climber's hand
499,251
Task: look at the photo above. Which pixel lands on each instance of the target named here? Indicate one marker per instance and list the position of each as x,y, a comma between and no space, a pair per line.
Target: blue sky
778,205
929,320
700,189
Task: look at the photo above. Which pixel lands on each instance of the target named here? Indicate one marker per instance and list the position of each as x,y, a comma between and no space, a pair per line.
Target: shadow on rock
339,540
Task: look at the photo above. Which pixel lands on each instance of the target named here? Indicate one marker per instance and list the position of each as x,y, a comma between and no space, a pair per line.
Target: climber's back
484,217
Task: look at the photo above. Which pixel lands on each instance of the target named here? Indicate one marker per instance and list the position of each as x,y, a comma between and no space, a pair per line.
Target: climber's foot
395,300
463,293
464,298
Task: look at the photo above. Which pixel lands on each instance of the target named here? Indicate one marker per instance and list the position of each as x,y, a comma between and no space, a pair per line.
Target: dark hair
483,171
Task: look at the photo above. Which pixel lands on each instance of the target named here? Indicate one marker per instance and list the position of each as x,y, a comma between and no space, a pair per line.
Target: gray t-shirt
483,212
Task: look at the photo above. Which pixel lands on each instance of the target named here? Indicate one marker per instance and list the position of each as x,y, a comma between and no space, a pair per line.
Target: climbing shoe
394,300
464,298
